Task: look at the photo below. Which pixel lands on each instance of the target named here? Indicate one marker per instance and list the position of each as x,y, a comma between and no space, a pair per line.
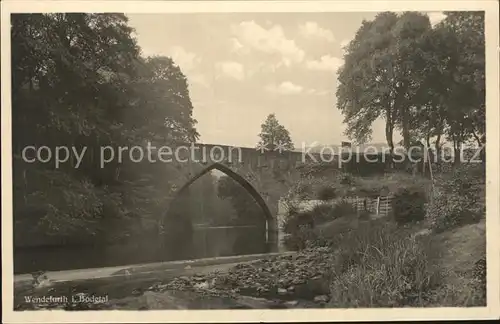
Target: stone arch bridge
266,175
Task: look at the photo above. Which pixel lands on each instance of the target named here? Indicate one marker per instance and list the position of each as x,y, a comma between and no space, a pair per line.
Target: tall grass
381,265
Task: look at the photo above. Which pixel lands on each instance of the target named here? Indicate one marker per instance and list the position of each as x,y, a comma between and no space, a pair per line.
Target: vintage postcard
228,161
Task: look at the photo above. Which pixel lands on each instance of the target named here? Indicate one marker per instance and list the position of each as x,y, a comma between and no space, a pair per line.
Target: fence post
378,205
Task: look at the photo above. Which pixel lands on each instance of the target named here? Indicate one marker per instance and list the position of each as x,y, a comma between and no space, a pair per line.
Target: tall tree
426,82
78,80
274,135
452,97
410,34
367,82
466,92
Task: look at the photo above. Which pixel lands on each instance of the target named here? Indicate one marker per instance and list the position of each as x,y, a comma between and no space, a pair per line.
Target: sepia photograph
251,155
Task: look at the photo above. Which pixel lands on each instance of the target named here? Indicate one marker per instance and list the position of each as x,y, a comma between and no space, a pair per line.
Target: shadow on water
186,240
214,216
199,225
206,242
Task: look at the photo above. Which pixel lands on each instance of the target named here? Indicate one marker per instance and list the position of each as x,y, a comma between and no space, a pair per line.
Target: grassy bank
429,252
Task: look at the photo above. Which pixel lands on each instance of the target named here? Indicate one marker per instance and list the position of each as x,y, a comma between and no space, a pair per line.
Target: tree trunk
389,130
456,149
438,148
478,140
428,154
406,130
399,105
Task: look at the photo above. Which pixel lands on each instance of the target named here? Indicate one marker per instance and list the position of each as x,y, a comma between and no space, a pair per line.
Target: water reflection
206,242
200,224
226,241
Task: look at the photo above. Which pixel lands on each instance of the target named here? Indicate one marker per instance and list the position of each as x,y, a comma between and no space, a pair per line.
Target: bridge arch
236,177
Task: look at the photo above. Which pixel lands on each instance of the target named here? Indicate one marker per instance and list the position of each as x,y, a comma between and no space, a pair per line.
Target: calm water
206,242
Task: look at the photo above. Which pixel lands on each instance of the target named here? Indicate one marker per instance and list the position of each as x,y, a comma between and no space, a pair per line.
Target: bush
322,213
343,208
381,265
301,225
296,218
346,179
302,190
408,206
448,211
458,199
298,240
326,193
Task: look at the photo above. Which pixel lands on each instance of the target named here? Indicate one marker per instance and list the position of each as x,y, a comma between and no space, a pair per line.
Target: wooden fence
378,207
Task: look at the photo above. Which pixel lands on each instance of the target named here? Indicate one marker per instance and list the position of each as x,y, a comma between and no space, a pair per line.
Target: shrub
346,179
302,190
448,211
343,208
408,206
296,218
458,199
322,213
381,265
326,193
318,168
298,240
301,225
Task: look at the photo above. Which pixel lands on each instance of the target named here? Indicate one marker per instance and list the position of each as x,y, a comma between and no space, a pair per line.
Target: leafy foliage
274,135
326,193
409,206
427,82
303,226
459,199
78,80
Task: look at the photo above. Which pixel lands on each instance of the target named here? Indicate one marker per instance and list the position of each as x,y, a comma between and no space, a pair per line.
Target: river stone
282,291
137,292
311,288
321,299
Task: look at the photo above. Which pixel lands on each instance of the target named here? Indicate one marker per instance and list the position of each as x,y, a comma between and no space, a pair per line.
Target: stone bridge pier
266,176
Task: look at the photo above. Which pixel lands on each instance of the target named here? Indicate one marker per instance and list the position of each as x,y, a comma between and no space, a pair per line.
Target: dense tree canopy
428,82
78,80
274,136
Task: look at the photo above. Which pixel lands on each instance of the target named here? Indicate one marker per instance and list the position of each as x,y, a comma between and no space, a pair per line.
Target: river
207,242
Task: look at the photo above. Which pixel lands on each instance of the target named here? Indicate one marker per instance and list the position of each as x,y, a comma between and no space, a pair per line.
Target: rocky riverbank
285,281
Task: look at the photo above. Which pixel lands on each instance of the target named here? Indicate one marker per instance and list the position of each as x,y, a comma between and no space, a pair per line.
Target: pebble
321,299
282,291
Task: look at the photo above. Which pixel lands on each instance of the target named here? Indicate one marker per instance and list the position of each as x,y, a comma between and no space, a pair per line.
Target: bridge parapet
267,175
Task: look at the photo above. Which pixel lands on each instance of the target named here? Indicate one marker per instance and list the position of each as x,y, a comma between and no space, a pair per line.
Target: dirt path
460,249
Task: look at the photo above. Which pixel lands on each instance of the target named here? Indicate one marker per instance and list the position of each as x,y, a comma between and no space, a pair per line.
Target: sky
241,67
